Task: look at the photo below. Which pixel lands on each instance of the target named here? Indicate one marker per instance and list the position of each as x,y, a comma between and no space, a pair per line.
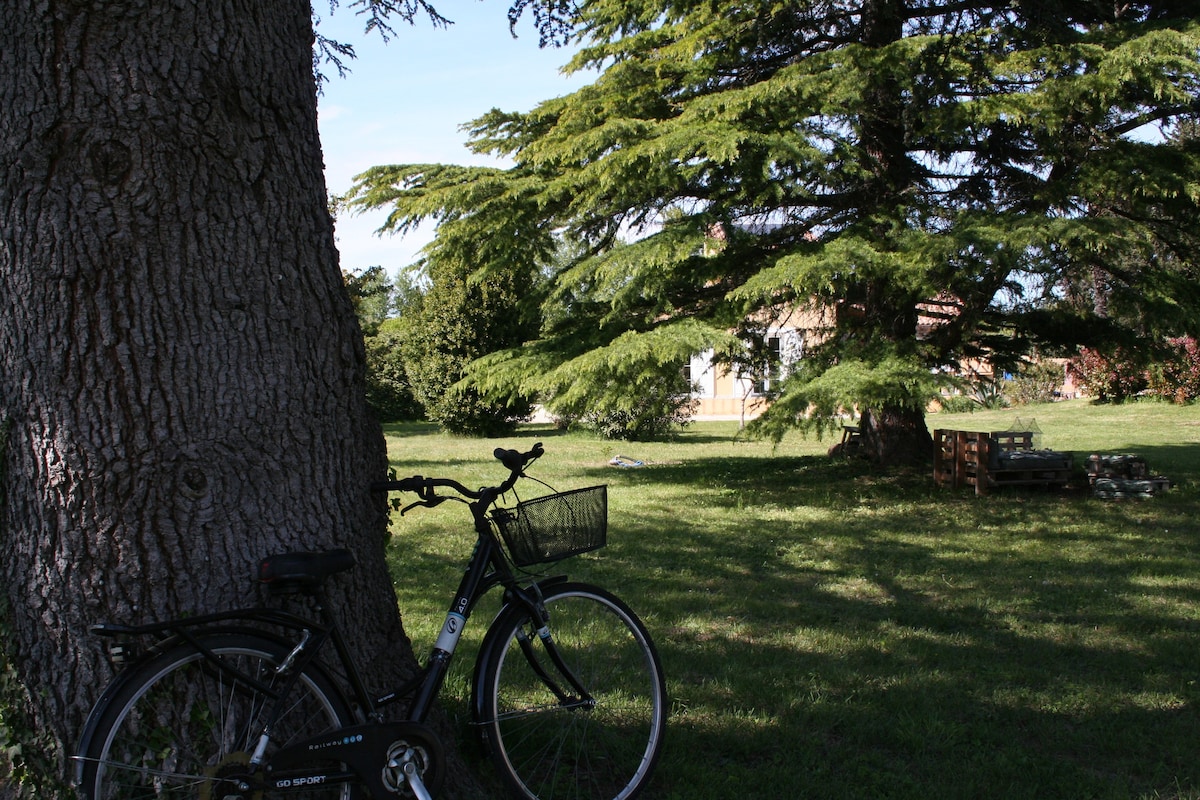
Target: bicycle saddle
303,571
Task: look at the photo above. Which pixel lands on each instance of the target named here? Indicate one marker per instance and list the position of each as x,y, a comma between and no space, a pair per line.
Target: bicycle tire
178,723
545,750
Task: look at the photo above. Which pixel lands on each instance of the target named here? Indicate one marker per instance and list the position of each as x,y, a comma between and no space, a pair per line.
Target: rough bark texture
895,436
180,367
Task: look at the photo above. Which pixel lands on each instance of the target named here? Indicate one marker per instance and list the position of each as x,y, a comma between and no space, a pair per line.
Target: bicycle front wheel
602,744
184,727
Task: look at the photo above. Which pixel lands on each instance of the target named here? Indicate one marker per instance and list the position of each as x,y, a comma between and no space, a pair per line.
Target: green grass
836,631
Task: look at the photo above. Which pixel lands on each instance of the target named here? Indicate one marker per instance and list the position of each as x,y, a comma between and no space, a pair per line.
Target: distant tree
389,391
373,296
377,301
924,178
456,321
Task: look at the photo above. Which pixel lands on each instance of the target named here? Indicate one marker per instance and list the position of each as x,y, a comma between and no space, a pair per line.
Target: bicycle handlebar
514,460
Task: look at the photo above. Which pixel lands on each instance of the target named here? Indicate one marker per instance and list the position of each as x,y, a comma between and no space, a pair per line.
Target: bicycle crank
414,766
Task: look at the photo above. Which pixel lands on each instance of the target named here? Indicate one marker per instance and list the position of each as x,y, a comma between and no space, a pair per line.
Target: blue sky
405,100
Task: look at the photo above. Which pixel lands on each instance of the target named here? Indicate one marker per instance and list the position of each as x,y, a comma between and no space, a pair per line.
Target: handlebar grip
515,461
413,484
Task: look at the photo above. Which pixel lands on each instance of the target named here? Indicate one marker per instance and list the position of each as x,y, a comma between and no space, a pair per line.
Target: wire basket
556,526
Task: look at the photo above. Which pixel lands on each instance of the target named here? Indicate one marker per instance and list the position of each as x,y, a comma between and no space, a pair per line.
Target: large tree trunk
896,436
181,372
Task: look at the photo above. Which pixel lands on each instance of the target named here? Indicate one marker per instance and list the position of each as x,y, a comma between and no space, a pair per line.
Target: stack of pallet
1121,476
995,459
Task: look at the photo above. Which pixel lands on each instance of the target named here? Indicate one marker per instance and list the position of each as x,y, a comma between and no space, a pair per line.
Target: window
774,368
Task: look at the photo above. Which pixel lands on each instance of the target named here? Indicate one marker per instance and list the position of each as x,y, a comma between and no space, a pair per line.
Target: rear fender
129,671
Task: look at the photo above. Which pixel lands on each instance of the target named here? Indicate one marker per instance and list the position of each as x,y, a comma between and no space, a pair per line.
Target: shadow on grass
854,634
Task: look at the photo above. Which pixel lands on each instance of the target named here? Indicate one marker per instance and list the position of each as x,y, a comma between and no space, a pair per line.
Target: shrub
659,409
989,393
457,321
958,404
389,392
1036,383
465,412
1109,378
1177,377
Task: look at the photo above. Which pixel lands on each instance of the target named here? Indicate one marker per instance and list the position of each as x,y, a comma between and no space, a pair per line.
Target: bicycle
568,694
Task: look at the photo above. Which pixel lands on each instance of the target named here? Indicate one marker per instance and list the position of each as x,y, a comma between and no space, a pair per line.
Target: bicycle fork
582,698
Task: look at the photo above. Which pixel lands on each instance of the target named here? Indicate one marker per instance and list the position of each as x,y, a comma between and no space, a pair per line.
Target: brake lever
430,502
410,507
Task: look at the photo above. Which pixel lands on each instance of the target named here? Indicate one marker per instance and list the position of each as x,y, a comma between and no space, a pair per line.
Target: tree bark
181,372
896,436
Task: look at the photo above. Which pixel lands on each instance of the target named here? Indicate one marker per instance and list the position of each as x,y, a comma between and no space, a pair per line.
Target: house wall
725,395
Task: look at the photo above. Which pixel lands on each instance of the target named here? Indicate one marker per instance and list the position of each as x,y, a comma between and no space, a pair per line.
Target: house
727,393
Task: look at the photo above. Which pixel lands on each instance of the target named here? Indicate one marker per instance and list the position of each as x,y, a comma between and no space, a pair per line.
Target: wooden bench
996,459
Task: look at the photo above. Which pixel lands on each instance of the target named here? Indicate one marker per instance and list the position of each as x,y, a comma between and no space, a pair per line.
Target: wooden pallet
970,458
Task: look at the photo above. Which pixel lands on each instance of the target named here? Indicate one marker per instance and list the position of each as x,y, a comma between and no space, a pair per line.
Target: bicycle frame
486,569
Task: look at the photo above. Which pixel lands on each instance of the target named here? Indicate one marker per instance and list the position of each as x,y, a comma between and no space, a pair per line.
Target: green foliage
989,394
378,299
373,296
958,403
389,392
654,410
825,398
920,184
977,394
1176,376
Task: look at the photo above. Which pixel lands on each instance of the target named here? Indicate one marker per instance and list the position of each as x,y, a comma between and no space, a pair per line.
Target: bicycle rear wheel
180,727
604,748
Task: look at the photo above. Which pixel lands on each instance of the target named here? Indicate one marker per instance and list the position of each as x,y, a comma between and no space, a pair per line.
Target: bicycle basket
556,526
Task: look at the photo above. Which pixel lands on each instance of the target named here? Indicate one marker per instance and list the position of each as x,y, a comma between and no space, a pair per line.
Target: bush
989,394
959,404
1109,378
1036,383
661,407
457,321
1177,377
464,412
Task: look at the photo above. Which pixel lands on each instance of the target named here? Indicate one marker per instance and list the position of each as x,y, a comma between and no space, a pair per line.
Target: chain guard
373,752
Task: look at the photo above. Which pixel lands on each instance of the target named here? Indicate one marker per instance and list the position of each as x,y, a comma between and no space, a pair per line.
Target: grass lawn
830,630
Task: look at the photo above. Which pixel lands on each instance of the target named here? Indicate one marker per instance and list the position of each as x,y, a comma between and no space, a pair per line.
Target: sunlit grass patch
834,630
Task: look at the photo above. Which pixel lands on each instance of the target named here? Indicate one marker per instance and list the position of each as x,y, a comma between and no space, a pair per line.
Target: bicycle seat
303,571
